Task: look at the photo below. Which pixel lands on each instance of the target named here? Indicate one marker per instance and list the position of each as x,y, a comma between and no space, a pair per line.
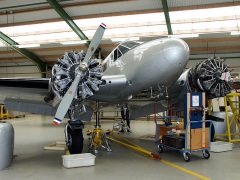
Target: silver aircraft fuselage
158,62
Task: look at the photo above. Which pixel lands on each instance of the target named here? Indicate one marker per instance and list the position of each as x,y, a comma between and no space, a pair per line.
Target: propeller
80,72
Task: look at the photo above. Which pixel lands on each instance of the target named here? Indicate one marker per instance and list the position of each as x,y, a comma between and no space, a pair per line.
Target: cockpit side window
117,54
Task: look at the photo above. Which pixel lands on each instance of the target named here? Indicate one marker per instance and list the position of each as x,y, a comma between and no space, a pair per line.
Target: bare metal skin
156,62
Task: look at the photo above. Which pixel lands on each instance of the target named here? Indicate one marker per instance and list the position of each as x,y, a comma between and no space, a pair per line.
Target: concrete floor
32,162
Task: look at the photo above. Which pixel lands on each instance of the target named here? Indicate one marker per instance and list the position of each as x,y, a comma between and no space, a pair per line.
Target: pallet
12,117
57,146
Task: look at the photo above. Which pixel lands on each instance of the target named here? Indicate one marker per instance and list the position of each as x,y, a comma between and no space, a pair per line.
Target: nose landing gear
74,136
98,136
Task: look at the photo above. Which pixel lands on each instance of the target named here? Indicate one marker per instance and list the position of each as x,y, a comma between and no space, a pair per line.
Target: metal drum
221,127
6,144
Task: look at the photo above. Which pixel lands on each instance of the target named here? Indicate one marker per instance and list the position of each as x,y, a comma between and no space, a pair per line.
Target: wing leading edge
38,83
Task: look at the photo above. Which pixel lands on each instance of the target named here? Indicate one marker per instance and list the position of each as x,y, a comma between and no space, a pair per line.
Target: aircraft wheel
75,138
160,149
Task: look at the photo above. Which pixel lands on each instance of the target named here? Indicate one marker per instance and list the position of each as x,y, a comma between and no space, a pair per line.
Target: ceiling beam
52,56
14,7
95,2
213,39
216,48
65,5
57,7
108,47
112,46
28,54
87,3
167,17
83,17
222,55
205,6
20,65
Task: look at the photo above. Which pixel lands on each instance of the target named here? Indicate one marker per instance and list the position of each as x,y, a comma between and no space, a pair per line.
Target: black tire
75,137
206,154
187,157
160,149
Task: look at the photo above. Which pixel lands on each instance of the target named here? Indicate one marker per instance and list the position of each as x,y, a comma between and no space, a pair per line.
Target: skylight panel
116,25
203,14
224,19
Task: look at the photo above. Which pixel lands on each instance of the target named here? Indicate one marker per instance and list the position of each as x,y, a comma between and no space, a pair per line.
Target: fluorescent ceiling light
148,19
27,45
74,42
184,35
235,33
125,39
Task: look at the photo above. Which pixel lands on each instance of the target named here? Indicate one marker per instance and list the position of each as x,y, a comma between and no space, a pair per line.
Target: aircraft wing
24,92
36,83
27,95
145,108
23,88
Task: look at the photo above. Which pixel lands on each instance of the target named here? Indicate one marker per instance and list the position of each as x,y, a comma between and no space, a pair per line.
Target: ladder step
235,101
237,108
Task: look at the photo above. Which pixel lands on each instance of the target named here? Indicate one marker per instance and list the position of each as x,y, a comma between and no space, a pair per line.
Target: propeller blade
96,40
69,95
66,101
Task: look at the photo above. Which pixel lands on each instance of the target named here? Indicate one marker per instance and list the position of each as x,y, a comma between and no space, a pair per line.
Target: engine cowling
63,74
210,76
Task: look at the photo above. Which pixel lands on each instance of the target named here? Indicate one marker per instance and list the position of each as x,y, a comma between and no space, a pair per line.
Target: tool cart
196,136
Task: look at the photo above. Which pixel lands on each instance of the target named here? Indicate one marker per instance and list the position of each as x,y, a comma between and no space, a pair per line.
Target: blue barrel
6,144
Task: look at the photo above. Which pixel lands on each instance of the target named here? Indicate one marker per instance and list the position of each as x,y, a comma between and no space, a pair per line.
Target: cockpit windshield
130,44
123,48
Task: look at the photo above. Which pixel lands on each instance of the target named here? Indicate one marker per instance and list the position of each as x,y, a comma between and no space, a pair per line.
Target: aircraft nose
176,53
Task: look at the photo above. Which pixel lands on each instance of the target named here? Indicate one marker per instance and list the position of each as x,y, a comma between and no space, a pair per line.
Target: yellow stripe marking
140,149
184,169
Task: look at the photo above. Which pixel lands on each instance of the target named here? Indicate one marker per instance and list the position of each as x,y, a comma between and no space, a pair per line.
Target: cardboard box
196,138
162,130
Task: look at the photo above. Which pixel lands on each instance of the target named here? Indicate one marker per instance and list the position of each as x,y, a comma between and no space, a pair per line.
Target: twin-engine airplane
79,82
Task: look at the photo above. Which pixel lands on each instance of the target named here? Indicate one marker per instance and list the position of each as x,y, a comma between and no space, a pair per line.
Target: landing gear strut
98,136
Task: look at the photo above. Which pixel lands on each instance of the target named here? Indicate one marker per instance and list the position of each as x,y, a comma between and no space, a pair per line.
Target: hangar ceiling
211,26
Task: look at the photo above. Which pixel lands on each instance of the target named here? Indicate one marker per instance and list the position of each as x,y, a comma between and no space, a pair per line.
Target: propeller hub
83,67
218,74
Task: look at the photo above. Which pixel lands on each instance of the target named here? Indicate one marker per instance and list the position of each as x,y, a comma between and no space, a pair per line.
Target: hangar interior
33,35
